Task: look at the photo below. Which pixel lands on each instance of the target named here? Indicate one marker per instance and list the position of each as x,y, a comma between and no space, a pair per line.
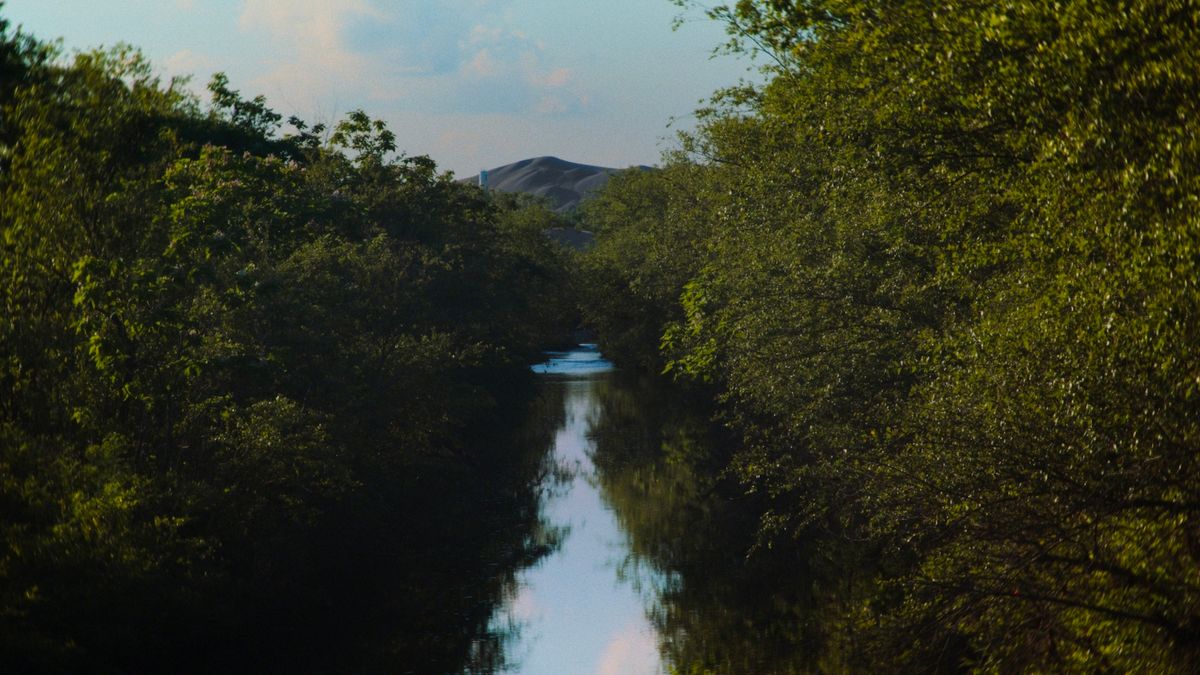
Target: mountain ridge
566,184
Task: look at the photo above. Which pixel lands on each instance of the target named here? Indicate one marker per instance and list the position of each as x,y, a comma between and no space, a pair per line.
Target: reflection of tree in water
423,600
505,531
720,602
523,537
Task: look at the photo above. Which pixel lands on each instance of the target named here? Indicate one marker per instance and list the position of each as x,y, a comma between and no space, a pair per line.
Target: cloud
632,651
552,105
420,38
504,71
557,77
437,56
525,606
188,62
192,69
312,24
307,55
483,64
481,34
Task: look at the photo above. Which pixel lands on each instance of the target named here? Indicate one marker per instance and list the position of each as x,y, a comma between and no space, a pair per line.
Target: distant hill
564,183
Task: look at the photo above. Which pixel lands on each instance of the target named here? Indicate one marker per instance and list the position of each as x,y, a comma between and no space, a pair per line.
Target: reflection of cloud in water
633,651
525,607
574,616
582,361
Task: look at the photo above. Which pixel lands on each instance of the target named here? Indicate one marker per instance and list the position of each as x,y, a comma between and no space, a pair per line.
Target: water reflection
657,570
409,580
582,361
718,603
573,612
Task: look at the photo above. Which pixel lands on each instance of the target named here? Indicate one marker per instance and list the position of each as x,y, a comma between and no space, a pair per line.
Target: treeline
940,273
245,383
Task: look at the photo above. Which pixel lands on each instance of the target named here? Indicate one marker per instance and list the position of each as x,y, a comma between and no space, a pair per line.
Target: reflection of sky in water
576,616
584,360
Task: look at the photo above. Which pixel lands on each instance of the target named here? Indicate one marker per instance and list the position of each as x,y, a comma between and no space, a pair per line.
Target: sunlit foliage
243,376
943,277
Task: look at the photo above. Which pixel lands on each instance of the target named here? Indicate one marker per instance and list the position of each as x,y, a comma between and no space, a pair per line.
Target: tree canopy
243,382
940,270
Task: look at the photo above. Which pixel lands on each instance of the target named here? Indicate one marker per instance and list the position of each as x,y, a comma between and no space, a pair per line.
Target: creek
652,565
577,611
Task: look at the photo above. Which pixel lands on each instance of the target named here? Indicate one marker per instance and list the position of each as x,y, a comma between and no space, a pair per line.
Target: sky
474,84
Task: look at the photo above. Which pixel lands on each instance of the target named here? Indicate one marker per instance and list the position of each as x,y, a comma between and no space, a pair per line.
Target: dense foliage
242,381
941,272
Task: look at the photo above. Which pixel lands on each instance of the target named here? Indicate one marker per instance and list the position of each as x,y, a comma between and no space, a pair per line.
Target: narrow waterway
578,611
651,563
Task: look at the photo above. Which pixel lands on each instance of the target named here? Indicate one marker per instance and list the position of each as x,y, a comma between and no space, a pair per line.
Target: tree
942,296
234,367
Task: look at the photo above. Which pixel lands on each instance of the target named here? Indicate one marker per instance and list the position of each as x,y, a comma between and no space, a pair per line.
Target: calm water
577,611
656,567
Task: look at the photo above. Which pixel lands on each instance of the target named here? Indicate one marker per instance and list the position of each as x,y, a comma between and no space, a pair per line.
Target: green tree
235,366
944,294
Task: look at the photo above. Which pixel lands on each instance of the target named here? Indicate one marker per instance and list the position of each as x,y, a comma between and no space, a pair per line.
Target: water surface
574,613
658,568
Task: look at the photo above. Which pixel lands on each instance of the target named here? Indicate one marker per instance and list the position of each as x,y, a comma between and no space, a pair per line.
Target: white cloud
633,651
193,68
505,71
311,23
481,33
557,77
188,62
309,56
483,64
446,75
525,606
436,56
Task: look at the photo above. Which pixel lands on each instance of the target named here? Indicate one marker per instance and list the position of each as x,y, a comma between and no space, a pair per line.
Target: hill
564,183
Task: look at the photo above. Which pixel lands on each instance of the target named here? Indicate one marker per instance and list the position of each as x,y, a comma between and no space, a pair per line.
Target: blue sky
472,83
